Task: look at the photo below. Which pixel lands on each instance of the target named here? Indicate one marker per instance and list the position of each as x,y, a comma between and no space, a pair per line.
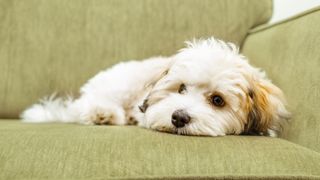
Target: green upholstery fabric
66,151
289,52
56,45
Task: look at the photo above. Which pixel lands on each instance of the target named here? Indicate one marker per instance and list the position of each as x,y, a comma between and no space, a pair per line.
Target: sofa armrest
289,52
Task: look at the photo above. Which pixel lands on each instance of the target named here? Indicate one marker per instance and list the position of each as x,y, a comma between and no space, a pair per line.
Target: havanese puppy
207,88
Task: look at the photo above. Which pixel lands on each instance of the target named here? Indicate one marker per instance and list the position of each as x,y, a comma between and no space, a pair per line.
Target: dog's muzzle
180,118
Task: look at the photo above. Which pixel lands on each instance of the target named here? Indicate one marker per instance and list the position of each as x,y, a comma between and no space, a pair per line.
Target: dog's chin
173,130
187,130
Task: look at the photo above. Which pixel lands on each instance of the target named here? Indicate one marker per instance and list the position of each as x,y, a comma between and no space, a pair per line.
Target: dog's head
210,89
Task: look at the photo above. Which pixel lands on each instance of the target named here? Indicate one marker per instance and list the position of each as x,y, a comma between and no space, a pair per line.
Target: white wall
286,8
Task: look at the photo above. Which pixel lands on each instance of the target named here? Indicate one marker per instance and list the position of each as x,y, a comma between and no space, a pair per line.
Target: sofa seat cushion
68,151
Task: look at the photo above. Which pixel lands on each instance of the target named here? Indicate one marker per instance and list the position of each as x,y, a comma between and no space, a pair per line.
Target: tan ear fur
266,109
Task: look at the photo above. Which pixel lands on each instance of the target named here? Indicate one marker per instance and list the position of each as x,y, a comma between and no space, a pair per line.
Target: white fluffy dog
207,88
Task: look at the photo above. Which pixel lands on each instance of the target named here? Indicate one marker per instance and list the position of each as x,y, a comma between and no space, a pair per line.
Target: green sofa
56,45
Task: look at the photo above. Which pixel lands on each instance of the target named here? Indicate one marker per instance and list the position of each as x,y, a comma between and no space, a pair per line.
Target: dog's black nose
180,118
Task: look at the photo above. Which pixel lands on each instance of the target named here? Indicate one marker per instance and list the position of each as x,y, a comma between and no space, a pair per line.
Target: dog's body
207,88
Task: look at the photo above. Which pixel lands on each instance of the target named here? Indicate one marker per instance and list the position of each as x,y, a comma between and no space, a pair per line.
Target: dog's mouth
173,130
184,131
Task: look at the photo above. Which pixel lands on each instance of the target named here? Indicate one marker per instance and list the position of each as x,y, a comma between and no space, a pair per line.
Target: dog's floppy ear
266,111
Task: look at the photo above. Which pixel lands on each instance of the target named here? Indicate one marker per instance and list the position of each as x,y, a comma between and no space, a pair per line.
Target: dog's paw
100,116
103,116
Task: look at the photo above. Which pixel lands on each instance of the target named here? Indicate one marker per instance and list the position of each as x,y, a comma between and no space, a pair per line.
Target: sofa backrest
56,45
289,52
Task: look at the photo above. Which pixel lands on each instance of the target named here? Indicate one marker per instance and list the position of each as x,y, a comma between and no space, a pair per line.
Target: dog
207,88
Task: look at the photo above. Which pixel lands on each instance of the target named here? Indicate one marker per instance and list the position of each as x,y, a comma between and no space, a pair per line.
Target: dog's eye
182,89
217,101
